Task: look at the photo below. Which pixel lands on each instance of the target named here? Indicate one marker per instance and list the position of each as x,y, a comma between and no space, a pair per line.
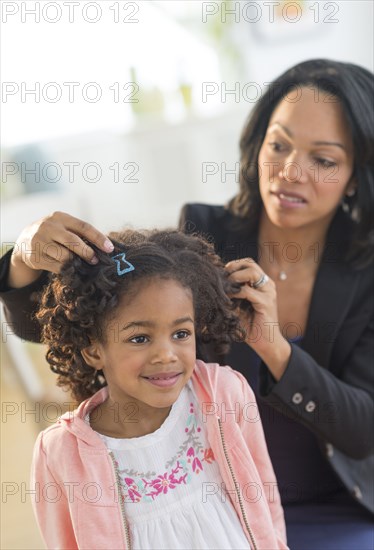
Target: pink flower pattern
188,460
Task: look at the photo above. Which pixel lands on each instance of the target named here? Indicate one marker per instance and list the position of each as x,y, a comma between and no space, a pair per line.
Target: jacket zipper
253,542
121,503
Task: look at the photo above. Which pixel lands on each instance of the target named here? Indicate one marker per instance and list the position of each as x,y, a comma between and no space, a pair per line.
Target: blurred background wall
119,112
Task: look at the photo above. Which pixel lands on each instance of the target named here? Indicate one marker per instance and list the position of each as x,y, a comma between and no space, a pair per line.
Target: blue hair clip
121,258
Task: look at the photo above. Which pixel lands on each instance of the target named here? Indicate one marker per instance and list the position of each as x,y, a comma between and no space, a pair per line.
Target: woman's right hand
49,242
263,332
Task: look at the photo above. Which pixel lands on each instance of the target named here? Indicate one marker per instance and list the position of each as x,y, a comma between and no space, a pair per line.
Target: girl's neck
127,420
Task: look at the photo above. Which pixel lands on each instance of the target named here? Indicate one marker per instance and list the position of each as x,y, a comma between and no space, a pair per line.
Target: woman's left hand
262,330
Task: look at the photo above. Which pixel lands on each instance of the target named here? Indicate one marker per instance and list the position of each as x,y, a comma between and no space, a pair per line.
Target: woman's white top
173,492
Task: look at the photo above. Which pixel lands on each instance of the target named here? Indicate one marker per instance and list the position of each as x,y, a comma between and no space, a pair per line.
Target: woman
299,237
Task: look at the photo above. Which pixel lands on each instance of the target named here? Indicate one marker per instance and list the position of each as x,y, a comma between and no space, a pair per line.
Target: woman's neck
287,247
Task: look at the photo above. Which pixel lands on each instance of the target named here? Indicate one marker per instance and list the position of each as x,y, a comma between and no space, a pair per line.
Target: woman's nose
294,169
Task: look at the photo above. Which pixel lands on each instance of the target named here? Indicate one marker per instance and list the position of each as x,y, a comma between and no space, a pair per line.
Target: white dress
172,488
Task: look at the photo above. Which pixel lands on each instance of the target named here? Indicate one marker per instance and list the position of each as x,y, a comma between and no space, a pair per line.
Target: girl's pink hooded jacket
76,500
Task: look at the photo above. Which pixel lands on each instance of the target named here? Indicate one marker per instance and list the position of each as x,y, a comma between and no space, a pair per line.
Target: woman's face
306,160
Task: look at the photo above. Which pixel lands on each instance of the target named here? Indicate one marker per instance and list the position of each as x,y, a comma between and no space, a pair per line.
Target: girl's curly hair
78,303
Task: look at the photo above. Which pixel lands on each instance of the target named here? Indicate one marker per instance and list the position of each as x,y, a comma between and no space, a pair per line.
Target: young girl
164,451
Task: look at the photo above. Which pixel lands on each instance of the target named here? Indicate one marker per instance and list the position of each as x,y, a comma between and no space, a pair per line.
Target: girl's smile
163,380
149,358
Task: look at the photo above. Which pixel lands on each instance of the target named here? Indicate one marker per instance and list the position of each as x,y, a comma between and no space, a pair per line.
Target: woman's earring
346,203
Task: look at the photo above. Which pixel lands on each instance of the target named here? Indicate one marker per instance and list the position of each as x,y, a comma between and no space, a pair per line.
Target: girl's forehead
148,291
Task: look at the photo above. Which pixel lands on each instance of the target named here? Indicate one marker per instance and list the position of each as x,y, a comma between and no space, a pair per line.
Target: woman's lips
289,200
163,380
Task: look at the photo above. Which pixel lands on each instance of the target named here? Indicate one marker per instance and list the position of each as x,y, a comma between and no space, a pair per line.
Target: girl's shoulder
53,437
53,450
68,431
221,382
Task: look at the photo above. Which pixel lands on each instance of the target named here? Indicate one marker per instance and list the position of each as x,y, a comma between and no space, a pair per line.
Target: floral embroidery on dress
188,460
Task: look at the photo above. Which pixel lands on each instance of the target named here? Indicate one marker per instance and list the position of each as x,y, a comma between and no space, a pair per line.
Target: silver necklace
282,275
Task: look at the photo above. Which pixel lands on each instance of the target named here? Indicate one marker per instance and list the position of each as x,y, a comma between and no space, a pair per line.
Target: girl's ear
92,355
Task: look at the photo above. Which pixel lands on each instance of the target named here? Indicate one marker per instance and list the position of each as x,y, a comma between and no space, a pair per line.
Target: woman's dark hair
77,305
354,87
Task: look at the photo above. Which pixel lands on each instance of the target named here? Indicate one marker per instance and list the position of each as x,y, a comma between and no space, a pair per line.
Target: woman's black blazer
328,383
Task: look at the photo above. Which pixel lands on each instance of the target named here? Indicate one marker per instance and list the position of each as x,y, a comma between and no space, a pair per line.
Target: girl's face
306,160
149,353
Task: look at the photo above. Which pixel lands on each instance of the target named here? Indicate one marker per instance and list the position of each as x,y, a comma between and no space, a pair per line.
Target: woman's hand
49,242
262,329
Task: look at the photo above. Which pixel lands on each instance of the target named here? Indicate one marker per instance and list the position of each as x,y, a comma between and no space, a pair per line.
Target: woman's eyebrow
334,143
284,128
290,134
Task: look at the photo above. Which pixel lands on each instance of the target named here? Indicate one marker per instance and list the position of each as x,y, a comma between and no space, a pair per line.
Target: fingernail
108,245
94,260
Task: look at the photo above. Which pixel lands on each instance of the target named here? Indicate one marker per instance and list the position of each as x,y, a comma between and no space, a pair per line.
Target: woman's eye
275,146
325,163
181,334
139,339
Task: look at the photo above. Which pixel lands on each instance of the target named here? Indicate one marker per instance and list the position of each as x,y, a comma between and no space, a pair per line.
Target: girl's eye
141,339
181,334
325,163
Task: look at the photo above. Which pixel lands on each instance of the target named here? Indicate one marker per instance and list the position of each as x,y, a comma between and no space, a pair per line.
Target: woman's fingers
84,230
63,243
243,263
255,286
251,295
52,263
246,271
49,242
64,228
249,276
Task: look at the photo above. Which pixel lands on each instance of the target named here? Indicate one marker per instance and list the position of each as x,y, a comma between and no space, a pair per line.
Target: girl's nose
164,353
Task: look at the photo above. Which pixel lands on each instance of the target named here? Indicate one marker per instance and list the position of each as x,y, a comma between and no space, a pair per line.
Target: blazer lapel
333,293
